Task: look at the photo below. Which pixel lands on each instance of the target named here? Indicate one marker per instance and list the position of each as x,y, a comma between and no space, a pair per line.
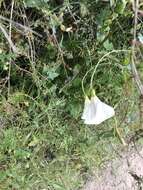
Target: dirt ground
123,173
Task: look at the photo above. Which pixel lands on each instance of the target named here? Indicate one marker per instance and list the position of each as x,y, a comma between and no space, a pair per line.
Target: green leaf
120,7
19,154
75,109
83,10
34,142
52,74
17,97
107,45
36,3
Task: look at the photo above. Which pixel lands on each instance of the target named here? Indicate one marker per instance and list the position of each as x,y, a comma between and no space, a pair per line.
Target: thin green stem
102,58
82,82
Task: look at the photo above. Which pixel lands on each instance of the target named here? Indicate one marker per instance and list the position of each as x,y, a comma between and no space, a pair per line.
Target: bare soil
123,173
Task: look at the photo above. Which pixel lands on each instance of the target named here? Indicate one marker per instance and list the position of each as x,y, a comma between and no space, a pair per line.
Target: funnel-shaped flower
86,108
95,111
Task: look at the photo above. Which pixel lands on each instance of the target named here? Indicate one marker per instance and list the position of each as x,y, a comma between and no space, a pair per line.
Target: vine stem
82,82
100,60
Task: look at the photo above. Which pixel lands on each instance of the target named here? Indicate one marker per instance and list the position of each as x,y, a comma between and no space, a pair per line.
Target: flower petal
98,112
86,107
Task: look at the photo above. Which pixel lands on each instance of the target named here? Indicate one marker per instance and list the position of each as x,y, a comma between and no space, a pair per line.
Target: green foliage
44,144
37,3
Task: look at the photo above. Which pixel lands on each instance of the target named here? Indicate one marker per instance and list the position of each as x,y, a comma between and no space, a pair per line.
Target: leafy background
43,142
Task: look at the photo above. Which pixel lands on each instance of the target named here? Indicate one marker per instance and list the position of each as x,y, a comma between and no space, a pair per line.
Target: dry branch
13,47
20,26
133,59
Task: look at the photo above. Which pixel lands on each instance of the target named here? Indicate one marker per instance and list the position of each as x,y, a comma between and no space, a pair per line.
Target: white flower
95,111
86,105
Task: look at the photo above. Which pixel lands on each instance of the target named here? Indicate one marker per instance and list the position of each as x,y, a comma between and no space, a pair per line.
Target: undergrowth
43,142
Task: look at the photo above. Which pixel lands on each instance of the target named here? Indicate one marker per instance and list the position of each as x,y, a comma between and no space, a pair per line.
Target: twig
13,47
10,27
18,25
11,14
29,39
140,12
133,58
